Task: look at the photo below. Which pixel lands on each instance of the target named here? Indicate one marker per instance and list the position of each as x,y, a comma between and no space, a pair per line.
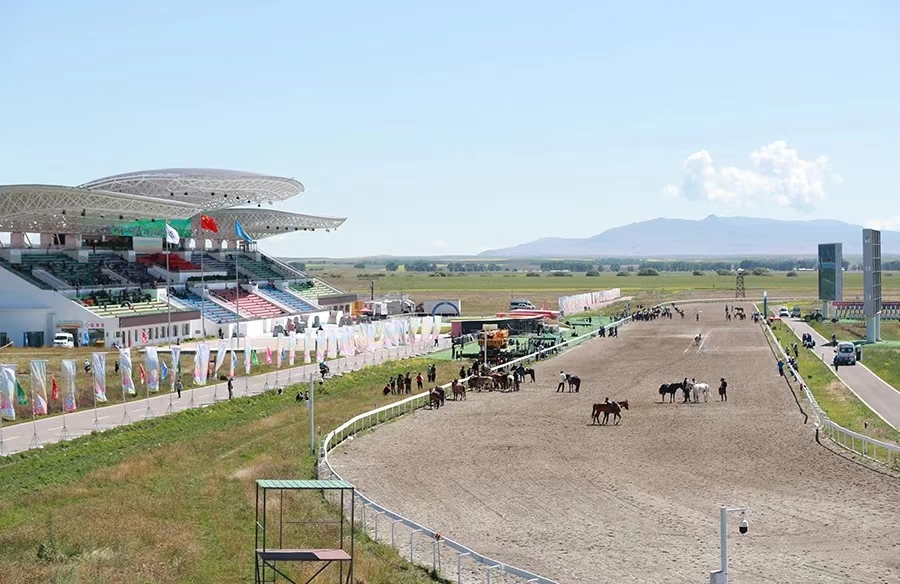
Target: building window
186,330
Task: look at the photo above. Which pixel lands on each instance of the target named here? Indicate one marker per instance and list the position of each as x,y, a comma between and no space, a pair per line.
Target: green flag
21,396
254,360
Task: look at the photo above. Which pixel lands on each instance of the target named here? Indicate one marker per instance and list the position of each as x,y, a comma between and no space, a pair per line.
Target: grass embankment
855,330
84,390
172,499
841,405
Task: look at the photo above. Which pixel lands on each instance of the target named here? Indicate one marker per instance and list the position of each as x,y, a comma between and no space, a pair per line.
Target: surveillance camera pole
721,576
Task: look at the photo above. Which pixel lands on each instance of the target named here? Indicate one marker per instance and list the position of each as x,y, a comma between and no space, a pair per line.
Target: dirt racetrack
523,477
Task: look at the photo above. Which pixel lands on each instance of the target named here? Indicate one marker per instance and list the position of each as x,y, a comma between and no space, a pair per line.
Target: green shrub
648,272
698,273
592,273
791,274
622,274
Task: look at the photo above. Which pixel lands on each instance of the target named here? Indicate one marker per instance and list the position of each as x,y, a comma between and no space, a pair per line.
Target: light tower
739,284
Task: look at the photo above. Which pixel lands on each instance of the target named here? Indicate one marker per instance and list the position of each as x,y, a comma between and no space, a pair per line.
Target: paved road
878,395
19,437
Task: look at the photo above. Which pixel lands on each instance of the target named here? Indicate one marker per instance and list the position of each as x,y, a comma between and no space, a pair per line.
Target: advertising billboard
831,281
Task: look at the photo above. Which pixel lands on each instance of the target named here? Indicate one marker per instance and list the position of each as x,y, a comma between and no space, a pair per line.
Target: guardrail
383,414
865,446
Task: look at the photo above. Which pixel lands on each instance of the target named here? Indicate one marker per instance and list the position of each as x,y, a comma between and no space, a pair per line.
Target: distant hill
713,236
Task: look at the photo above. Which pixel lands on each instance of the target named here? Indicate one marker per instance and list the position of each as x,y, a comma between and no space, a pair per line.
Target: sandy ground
524,477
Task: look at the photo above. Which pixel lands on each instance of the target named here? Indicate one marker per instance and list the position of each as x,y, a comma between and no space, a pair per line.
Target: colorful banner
7,389
151,356
320,345
125,368
201,364
308,343
98,368
221,353
234,363
292,347
278,352
70,400
39,387
248,350
268,355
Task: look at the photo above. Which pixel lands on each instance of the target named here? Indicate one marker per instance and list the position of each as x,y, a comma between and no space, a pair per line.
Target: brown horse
459,391
434,399
614,408
529,373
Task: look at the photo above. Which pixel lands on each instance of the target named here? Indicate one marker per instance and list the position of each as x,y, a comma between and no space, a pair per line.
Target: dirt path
524,478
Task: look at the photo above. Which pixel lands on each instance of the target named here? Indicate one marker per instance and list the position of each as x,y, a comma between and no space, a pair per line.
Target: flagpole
237,289
64,435
35,440
94,393
149,413
3,450
202,280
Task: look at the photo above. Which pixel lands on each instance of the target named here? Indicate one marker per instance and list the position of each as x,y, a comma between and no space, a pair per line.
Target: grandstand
314,289
92,260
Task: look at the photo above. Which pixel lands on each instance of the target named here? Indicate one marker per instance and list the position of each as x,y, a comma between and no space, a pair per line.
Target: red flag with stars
208,223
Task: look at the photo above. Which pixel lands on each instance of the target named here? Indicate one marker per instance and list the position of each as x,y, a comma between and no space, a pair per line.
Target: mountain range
712,236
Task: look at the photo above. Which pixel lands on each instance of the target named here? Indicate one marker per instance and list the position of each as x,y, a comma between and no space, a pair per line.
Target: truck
442,307
521,304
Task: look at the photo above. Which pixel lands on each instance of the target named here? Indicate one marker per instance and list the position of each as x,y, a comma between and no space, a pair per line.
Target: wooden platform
292,555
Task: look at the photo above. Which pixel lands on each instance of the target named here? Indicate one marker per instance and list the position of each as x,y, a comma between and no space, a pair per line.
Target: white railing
860,444
383,414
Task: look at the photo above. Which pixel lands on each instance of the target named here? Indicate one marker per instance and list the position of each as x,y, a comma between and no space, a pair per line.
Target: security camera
743,526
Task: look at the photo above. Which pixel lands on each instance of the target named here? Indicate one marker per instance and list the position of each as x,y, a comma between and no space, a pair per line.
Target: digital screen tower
831,281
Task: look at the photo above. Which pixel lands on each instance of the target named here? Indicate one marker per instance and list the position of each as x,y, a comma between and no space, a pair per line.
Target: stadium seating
211,310
136,273
260,269
67,269
24,272
314,289
250,304
211,264
288,299
176,262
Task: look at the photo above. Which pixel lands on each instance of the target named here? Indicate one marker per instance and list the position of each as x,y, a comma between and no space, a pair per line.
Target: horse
614,408
670,389
459,390
479,382
697,389
574,382
434,399
697,339
501,380
529,372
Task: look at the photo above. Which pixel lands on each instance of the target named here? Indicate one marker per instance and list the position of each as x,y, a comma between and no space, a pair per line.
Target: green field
172,499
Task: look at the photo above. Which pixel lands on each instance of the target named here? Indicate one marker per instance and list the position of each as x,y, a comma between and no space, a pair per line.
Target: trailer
442,307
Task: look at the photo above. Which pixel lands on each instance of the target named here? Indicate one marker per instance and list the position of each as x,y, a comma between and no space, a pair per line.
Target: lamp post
720,576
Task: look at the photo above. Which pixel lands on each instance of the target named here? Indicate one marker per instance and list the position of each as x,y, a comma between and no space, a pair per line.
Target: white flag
172,235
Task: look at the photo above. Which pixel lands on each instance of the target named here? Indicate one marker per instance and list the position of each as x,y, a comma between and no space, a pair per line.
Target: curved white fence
870,448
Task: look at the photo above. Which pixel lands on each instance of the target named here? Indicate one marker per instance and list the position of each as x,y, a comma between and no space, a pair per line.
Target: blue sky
454,128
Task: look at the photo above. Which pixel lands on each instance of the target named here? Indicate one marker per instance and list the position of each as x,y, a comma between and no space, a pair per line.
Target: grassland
172,499
839,403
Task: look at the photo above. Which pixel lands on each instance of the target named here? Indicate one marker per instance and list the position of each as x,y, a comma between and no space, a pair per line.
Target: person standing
178,387
408,382
723,390
781,368
230,388
562,382
419,381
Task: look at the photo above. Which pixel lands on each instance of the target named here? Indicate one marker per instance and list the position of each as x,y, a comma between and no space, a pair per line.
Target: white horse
697,389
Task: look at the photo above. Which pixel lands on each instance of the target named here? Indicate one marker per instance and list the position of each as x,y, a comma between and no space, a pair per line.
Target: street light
720,576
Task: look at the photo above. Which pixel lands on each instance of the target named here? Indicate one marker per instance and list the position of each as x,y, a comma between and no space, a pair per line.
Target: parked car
795,312
64,341
845,353
783,312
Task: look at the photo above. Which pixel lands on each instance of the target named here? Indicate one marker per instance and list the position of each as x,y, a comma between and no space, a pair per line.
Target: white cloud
440,244
777,175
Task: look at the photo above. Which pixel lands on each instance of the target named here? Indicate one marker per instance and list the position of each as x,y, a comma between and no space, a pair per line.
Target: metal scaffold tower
739,285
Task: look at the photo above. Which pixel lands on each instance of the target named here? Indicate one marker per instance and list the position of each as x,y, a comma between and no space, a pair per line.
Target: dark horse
530,373
435,398
670,389
614,408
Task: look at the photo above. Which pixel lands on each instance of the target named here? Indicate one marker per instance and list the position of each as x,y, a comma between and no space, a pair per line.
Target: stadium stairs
286,299
314,289
212,311
253,305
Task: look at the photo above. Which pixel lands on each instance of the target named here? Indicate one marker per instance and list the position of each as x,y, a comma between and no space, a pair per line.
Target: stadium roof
205,188
59,209
263,223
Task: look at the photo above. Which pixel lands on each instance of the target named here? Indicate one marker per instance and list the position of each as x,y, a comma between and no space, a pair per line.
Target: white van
64,340
521,304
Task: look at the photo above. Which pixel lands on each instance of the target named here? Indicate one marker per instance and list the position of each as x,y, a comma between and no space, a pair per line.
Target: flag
39,386
172,235
208,223
21,397
248,355
279,353
143,373
54,389
125,368
70,403
254,358
268,355
234,362
201,364
239,231
165,371
99,370
176,365
151,356
144,339
283,356
221,353
292,347
7,387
